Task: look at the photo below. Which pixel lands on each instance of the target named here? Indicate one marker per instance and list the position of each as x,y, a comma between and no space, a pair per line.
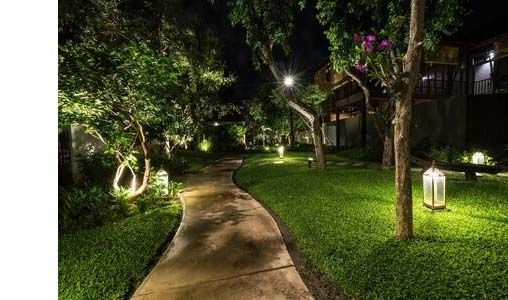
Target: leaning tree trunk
387,161
305,110
403,106
146,175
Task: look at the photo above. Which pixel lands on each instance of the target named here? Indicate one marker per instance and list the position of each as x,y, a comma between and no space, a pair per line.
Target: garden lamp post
478,158
162,178
434,182
281,152
289,81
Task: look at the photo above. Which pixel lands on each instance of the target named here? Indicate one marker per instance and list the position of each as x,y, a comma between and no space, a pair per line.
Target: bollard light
281,152
162,178
434,184
478,158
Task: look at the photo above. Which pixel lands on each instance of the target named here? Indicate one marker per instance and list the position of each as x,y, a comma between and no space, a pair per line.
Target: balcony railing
432,88
482,87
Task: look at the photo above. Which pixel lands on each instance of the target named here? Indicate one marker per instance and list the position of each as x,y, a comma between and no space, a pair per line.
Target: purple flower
357,37
361,67
369,39
385,44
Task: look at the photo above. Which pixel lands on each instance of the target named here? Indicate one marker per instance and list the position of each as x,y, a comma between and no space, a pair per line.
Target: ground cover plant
343,222
107,262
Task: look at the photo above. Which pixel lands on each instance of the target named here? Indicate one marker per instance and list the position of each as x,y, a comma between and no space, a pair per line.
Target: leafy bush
175,165
97,167
88,207
174,189
205,145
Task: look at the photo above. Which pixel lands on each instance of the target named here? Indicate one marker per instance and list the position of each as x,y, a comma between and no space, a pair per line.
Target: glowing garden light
162,178
434,182
478,158
281,152
289,81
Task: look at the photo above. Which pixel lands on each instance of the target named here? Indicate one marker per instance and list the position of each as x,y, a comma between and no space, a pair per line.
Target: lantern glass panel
427,190
434,188
439,191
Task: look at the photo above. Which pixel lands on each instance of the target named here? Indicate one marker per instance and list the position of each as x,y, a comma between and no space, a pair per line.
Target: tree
406,30
269,23
132,73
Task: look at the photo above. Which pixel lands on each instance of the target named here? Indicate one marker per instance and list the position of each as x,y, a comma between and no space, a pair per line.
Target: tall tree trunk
387,161
403,106
317,135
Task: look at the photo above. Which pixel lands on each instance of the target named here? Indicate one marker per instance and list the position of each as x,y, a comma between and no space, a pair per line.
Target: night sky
309,47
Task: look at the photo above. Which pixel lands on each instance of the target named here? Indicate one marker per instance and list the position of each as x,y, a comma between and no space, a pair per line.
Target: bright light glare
289,81
478,158
281,151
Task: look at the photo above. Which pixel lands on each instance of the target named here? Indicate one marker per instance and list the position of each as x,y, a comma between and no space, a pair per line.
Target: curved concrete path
228,246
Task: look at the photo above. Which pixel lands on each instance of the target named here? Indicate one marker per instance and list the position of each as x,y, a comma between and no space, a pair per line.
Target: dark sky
484,19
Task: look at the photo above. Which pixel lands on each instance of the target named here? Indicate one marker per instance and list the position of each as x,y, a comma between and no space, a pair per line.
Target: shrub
174,165
88,207
97,167
205,145
174,189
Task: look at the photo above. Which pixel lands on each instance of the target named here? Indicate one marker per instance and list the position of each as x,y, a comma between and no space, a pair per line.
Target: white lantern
281,151
162,178
478,158
434,182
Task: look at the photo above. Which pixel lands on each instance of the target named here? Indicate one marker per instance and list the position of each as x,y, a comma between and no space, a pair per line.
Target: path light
162,178
434,188
478,158
281,152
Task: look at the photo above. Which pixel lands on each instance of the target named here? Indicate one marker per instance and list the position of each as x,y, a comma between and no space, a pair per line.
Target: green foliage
174,188
97,167
389,19
109,261
237,132
447,153
128,70
267,22
174,165
205,145
342,221
88,207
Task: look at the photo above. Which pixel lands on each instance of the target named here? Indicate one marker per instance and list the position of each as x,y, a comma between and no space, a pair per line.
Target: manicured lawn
343,221
106,262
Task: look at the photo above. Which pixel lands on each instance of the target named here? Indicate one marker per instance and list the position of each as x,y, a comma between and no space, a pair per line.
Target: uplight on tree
281,152
434,182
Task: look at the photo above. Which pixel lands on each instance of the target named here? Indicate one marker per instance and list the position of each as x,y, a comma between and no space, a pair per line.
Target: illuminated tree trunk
403,106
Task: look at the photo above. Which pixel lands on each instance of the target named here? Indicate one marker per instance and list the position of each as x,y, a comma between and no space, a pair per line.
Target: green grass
108,261
343,221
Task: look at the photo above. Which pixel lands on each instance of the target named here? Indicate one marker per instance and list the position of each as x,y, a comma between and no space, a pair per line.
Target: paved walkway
228,247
